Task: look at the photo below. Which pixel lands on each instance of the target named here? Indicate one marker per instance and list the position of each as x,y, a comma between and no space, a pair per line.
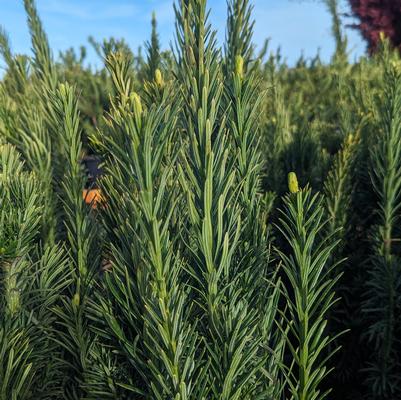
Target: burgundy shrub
377,16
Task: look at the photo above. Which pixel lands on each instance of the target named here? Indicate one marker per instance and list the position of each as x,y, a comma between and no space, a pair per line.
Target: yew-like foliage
195,274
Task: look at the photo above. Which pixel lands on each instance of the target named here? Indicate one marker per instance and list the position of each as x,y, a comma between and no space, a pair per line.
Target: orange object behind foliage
93,197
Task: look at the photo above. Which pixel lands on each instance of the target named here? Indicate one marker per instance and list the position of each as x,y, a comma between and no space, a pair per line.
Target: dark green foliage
309,295
166,287
31,282
153,49
148,313
239,34
217,253
340,55
381,305
42,61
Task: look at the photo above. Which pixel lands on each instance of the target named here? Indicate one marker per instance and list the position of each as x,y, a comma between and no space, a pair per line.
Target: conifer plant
381,304
196,273
309,294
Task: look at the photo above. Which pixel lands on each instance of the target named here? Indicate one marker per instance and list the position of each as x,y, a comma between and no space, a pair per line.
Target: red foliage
377,16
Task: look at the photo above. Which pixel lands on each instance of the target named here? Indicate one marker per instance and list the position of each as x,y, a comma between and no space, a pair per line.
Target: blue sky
298,26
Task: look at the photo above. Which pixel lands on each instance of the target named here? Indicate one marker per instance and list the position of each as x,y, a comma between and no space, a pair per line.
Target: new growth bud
239,66
76,300
159,78
293,182
136,100
63,89
350,139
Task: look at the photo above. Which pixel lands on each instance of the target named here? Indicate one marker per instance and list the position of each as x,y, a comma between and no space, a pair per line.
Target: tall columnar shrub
239,35
166,288
309,294
46,130
340,54
278,136
149,310
26,128
31,282
382,305
72,222
153,49
242,90
338,190
81,236
214,233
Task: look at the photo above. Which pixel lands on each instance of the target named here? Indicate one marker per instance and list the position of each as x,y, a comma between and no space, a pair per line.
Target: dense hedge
241,241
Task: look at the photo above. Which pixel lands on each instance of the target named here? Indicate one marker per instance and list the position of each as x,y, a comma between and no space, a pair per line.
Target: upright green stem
310,294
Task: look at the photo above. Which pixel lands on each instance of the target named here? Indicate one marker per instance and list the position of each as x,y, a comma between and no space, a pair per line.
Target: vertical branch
43,61
215,233
153,50
384,286
150,312
337,31
239,35
242,89
310,293
31,283
82,238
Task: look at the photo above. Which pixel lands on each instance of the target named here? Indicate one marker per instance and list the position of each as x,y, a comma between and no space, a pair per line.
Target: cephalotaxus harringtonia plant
242,96
340,55
209,175
16,73
46,130
338,189
148,312
382,299
44,68
155,85
242,90
278,135
239,35
81,236
185,300
309,293
153,49
25,126
54,149
31,281
20,221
